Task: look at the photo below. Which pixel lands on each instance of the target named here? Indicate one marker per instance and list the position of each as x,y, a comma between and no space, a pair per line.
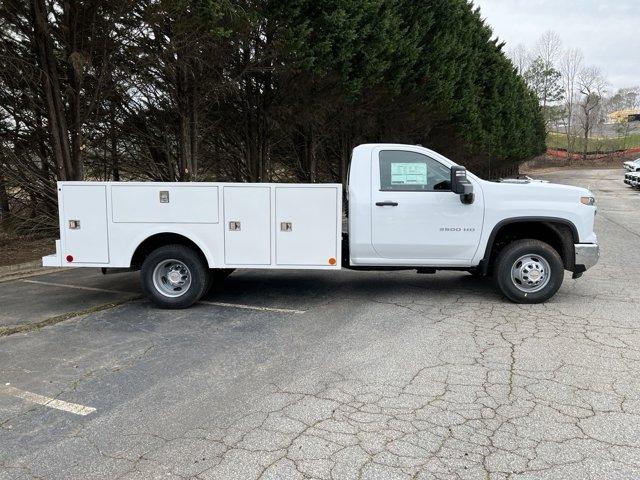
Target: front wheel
528,271
173,276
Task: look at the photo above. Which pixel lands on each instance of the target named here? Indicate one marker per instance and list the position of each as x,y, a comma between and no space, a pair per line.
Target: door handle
387,204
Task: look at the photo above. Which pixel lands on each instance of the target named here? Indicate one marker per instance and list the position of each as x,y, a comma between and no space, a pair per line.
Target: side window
411,172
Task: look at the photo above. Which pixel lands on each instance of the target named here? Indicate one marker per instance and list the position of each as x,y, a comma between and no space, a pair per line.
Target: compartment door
306,226
247,225
189,203
85,223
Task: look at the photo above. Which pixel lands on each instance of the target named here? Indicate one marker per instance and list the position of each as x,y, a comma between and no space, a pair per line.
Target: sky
607,31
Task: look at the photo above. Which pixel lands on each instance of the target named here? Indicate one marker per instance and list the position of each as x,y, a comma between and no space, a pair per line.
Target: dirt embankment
17,249
560,159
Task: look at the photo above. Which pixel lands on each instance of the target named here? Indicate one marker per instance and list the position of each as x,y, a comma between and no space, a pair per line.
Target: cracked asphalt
385,375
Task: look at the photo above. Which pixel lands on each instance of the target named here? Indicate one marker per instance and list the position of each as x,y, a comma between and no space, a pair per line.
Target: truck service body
408,208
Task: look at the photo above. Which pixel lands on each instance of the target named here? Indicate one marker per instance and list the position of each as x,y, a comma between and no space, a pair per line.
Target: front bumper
587,255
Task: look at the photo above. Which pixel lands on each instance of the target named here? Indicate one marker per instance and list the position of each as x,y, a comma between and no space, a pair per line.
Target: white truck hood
535,189
540,200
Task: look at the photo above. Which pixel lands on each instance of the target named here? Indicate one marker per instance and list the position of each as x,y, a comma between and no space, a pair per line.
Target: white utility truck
408,208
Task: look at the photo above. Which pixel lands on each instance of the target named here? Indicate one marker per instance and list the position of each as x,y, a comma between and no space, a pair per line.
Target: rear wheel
528,271
173,276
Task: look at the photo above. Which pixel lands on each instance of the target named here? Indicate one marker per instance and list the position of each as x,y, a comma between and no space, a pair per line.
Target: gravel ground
378,375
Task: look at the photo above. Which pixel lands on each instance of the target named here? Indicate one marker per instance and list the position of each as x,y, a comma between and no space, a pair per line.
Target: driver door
416,216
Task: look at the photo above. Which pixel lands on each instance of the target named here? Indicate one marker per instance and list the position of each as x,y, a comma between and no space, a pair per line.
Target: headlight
591,201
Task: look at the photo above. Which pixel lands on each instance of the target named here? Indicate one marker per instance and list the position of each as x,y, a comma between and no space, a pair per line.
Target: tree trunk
568,128
115,162
311,156
264,148
42,147
165,154
345,152
252,129
51,92
188,113
250,147
185,149
193,136
49,195
586,138
194,118
75,66
184,143
4,200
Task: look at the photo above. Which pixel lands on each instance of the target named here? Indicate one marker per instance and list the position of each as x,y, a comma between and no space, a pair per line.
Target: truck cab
403,210
408,208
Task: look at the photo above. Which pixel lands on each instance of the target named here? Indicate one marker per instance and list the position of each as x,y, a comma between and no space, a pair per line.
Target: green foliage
252,90
404,71
597,144
546,83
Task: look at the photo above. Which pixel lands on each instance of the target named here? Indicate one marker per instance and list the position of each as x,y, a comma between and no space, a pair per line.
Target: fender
140,239
484,263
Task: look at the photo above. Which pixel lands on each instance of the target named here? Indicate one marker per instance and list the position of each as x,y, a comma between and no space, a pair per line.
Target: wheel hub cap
171,278
535,275
174,277
530,273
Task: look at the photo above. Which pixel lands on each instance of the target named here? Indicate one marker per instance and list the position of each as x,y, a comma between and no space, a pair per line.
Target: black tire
196,272
511,254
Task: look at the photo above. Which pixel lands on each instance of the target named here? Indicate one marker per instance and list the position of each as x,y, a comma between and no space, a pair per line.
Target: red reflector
69,258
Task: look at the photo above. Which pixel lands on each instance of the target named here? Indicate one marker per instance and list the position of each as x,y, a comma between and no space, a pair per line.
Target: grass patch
4,331
557,140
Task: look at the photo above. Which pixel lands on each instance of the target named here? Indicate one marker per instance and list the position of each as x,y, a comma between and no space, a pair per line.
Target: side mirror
461,185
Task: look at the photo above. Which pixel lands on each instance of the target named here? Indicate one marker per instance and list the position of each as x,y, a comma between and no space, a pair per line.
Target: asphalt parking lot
378,375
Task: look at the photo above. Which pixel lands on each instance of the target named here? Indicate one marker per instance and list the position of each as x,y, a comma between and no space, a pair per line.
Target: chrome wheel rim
530,273
172,278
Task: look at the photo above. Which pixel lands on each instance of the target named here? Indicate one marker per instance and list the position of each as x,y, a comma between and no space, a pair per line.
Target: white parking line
78,287
217,304
253,307
47,401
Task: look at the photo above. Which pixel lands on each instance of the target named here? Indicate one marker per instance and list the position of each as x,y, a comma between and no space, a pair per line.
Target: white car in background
632,165
632,179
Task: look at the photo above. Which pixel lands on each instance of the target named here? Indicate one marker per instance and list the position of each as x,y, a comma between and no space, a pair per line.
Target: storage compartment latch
74,224
286,226
234,226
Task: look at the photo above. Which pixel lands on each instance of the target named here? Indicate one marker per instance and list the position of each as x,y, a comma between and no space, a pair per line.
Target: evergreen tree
546,82
253,90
